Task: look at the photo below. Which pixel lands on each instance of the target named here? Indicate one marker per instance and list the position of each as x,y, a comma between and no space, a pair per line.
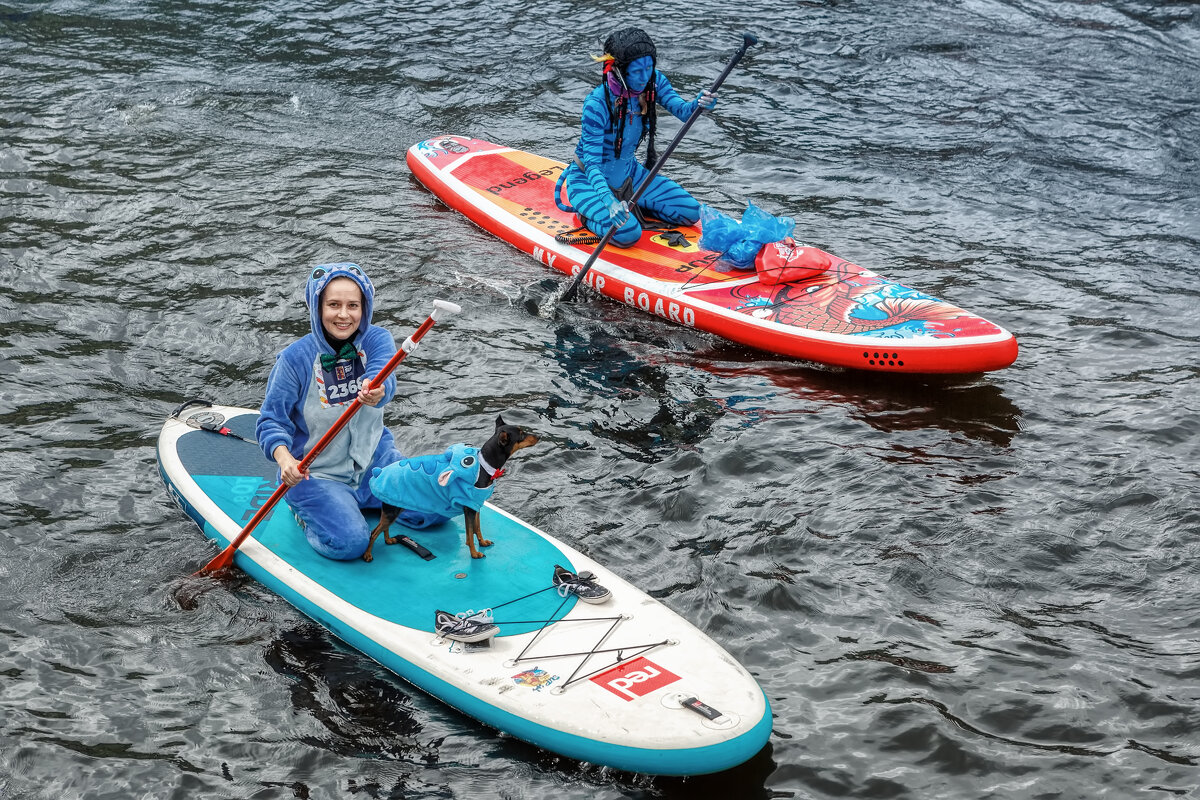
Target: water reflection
364,713
648,413
613,356
973,406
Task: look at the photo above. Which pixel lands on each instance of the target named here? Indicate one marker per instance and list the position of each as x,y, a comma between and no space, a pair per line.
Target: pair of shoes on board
583,585
463,629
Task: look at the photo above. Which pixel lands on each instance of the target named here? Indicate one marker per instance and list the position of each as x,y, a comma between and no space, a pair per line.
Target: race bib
341,384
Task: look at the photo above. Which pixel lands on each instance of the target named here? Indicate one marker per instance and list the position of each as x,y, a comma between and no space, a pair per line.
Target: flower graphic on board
534,678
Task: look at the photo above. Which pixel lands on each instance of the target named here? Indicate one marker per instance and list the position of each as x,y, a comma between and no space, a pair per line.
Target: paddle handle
224,559
748,40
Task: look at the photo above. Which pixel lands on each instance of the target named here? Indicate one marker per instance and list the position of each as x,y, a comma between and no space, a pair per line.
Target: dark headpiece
629,44
626,46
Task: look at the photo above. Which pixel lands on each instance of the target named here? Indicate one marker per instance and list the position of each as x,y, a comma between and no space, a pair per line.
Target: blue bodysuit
598,169
304,399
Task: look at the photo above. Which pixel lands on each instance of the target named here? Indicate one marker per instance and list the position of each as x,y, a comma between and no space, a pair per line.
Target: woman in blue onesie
617,115
312,383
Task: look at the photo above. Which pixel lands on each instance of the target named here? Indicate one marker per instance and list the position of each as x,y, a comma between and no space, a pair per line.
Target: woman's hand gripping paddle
573,288
225,559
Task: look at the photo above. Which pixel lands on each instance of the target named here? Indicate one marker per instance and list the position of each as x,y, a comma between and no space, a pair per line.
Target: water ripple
980,586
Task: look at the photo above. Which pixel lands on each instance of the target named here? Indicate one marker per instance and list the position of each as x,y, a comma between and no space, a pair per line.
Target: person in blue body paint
617,116
312,383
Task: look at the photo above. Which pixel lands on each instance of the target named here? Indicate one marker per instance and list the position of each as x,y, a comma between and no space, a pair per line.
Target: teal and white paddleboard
626,683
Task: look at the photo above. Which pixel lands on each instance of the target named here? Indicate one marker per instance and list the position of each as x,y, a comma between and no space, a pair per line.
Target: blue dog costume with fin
310,386
441,484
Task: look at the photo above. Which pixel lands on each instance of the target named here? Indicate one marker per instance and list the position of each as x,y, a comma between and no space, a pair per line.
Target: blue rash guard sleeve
669,99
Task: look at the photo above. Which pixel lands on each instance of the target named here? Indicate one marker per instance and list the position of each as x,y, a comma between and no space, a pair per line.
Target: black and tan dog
457,481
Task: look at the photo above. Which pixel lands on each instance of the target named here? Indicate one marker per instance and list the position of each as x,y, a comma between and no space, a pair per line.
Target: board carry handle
186,404
748,40
224,559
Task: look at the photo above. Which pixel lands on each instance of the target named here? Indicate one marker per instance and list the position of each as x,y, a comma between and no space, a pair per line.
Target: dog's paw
485,542
367,557
477,554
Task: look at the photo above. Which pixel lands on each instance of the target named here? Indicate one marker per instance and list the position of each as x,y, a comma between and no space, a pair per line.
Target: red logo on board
634,679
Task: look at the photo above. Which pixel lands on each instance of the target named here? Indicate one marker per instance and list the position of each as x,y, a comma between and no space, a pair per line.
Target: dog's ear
503,438
499,422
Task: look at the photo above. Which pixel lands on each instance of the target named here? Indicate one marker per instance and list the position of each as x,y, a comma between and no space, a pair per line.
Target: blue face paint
637,74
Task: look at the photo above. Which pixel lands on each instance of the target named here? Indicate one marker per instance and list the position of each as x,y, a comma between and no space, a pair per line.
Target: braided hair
621,49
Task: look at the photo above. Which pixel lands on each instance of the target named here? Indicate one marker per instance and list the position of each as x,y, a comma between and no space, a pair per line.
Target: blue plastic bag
718,232
739,242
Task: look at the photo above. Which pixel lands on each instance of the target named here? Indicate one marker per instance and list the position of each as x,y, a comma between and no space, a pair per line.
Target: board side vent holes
882,359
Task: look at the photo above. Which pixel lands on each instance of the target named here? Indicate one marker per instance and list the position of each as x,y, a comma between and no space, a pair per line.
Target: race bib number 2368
343,381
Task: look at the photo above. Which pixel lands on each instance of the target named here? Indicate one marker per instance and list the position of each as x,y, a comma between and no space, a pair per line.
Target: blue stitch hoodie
296,411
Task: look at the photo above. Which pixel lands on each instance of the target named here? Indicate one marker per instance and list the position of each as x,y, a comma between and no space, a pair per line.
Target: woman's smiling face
341,308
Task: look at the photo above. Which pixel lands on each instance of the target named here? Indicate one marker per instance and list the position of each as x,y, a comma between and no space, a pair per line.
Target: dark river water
974,587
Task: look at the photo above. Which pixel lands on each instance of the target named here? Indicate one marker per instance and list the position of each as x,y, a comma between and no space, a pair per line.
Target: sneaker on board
583,585
458,629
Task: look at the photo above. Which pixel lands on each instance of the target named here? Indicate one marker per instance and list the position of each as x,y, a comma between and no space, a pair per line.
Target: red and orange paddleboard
847,316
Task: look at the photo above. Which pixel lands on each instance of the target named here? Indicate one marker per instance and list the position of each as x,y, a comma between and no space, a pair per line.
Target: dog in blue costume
411,483
312,383
456,481
617,116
